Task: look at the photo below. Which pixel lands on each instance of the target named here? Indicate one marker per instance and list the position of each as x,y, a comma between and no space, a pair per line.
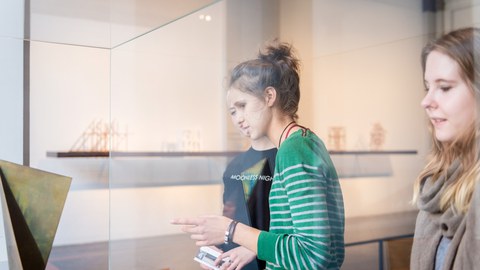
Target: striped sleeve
306,229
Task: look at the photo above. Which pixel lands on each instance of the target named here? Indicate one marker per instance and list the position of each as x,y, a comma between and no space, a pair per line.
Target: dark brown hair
276,66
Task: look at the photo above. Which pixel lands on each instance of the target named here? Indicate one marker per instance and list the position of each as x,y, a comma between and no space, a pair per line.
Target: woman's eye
445,88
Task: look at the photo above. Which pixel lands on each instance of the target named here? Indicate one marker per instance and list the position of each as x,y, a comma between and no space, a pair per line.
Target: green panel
35,201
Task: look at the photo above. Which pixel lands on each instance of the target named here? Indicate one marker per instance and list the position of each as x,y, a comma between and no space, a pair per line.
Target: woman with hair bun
306,203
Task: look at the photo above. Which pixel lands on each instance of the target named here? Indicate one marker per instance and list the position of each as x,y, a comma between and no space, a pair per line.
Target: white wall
364,57
11,81
171,80
70,88
243,40
461,13
368,71
296,27
11,93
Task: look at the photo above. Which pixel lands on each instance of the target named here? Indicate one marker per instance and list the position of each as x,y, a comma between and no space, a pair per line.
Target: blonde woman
447,193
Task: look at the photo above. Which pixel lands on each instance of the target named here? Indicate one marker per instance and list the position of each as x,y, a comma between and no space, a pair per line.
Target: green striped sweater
306,208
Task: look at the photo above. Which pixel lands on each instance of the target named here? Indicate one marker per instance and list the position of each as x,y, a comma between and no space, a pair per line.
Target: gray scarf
432,224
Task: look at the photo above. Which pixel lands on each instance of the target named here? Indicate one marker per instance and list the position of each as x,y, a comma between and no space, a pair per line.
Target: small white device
207,256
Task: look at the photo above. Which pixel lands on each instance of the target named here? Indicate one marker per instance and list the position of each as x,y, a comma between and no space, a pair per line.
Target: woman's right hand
237,258
205,230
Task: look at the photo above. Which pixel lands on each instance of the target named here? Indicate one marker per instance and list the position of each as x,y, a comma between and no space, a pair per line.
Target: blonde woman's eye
445,88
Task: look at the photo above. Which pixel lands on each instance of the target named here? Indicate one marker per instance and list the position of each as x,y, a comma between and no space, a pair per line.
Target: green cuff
266,246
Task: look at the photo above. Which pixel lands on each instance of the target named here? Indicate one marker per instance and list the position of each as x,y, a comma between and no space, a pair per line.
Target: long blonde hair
463,46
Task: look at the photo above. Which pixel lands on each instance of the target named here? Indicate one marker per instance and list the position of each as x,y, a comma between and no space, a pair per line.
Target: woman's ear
270,96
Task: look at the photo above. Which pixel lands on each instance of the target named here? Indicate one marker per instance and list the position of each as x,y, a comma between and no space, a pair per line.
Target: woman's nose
428,101
238,119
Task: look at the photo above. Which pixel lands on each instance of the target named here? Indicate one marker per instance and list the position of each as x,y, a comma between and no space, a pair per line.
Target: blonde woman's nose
428,101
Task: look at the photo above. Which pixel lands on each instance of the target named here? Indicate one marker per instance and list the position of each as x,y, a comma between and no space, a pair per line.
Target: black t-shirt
247,182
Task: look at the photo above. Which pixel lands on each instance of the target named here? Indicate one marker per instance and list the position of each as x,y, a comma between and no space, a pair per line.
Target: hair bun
279,53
